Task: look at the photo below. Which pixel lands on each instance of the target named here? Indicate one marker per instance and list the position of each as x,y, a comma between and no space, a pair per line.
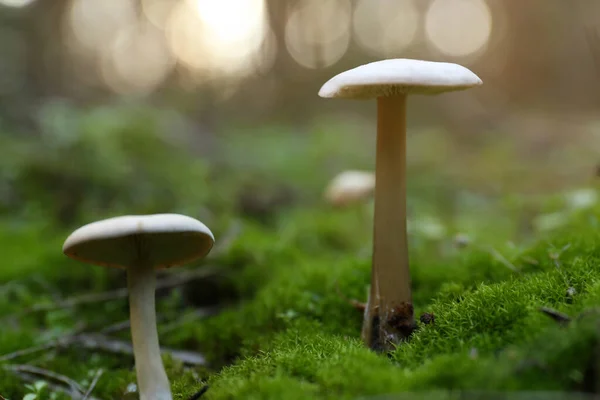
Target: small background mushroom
350,187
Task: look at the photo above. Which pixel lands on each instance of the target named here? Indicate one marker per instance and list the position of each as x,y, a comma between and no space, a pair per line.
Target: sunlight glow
317,33
385,27
231,22
458,28
221,37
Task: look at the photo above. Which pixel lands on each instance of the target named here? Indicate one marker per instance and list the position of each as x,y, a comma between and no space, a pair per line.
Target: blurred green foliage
102,161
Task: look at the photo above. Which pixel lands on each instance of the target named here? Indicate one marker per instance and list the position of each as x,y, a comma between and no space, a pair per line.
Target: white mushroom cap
160,241
399,76
349,187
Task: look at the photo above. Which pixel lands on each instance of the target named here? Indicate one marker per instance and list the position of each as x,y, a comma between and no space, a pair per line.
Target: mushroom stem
153,383
389,317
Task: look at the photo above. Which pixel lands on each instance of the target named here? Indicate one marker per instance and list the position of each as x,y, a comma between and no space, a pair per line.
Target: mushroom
389,316
140,244
350,187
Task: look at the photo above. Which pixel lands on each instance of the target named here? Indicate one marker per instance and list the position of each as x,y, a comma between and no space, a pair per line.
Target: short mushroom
389,316
350,187
141,244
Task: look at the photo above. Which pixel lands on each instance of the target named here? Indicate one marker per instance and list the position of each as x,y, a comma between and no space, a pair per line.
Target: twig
122,293
557,316
56,377
24,352
91,340
79,328
100,342
93,384
200,393
353,302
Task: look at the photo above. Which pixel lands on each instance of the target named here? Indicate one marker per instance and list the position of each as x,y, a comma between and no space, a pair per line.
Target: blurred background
210,107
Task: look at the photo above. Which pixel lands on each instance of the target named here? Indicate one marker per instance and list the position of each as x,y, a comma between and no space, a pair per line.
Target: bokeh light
184,35
138,60
317,33
94,24
385,27
218,37
458,28
134,45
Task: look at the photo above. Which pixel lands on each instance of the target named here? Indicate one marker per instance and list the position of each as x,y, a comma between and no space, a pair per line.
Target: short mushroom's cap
350,187
160,240
399,76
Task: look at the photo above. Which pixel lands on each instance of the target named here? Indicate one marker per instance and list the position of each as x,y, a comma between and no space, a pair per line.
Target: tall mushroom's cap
160,240
399,76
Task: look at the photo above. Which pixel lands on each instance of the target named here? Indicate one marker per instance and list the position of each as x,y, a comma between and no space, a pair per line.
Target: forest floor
516,296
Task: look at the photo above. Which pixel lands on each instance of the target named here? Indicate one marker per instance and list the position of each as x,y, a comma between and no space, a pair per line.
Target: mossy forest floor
270,314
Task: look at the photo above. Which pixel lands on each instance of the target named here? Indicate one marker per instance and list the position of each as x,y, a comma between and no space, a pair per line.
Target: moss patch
488,334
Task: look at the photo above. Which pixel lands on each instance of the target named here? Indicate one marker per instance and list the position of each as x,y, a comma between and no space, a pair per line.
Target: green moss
488,327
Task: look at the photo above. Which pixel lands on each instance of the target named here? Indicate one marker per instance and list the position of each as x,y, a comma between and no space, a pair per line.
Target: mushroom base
387,330
389,317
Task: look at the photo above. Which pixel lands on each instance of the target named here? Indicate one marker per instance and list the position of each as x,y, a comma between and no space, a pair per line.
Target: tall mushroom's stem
389,315
153,383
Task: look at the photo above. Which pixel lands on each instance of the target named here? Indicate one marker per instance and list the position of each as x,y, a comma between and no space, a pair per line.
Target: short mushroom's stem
389,317
153,383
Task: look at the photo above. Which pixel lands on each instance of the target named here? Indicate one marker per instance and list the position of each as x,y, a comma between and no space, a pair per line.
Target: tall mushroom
141,244
389,314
